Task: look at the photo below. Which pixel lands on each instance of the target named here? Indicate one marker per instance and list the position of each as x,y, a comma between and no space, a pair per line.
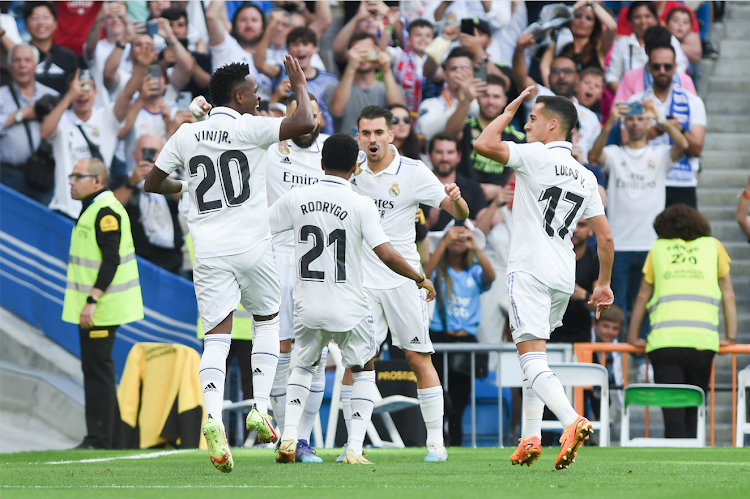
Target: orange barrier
585,353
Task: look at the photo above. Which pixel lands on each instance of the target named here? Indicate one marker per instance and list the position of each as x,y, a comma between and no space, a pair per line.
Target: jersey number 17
552,196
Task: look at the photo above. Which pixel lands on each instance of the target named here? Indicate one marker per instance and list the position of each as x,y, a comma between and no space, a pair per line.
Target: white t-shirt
589,126
676,177
435,112
8,24
553,191
331,224
636,193
70,147
101,53
397,192
628,54
229,51
146,122
225,157
288,167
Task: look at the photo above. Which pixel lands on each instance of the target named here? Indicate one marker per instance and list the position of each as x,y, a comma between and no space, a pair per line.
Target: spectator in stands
156,8
17,115
636,194
629,53
461,273
564,80
686,111
367,20
576,323
660,10
74,21
743,218
435,112
271,47
113,18
81,132
248,25
154,217
318,19
591,85
679,23
587,41
405,137
491,99
685,278
497,15
358,87
194,81
56,62
9,37
408,64
445,156
607,329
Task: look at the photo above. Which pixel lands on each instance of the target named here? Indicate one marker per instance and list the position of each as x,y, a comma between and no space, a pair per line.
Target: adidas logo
414,341
258,372
286,160
295,402
356,415
210,388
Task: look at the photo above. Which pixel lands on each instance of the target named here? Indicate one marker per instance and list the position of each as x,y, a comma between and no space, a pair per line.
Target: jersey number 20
552,196
226,161
337,238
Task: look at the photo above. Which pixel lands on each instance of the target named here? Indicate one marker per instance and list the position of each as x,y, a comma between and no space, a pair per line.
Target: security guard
685,281
103,291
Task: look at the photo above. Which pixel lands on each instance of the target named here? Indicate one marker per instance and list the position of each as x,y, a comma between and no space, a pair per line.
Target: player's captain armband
196,107
109,223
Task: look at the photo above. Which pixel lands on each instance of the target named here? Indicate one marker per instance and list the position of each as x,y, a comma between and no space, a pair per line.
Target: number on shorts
226,161
553,195
337,238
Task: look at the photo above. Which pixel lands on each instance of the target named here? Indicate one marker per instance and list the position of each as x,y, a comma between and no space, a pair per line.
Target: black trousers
459,391
686,366
682,195
242,350
102,411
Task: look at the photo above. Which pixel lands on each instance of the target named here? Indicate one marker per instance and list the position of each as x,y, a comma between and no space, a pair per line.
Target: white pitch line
149,455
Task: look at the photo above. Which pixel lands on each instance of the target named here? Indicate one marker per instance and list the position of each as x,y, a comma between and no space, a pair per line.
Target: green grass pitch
607,473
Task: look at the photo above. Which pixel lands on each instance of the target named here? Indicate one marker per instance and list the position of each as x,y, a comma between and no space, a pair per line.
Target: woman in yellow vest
685,281
102,292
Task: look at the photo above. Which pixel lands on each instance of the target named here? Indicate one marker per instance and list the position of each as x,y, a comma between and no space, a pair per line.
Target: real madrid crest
95,132
358,170
283,149
394,190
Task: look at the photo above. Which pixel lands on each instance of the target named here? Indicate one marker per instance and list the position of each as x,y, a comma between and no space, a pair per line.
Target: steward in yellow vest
685,282
102,292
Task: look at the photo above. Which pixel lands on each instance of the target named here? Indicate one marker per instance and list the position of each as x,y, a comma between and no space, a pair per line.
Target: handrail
585,353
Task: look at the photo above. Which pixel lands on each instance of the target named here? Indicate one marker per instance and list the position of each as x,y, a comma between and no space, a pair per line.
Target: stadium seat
660,395
574,374
743,427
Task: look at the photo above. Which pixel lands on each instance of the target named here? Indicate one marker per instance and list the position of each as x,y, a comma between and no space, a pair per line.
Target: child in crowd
680,24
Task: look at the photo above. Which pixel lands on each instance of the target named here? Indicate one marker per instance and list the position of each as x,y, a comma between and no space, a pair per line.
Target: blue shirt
462,306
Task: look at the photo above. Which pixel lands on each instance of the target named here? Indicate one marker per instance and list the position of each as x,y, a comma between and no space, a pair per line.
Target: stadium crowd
113,81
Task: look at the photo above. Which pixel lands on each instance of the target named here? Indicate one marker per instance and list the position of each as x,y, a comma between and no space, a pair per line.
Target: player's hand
602,297
296,76
453,192
200,108
86,320
513,106
427,284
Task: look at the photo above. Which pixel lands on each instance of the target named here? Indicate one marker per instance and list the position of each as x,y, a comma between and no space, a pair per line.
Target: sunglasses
396,120
565,71
78,176
657,67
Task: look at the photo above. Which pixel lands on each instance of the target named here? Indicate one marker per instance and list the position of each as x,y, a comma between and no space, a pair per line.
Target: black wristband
119,45
91,300
421,281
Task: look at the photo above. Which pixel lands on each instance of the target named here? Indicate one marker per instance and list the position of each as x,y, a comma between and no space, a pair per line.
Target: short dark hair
681,221
293,97
223,81
444,136
592,71
243,6
340,152
637,5
564,56
456,52
421,23
562,109
655,37
358,37
302,34
684,10
375,112
493,79
174,13
28,9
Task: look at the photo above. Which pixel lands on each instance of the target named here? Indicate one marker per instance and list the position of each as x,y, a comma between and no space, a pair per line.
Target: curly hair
340,152
223,81
681,221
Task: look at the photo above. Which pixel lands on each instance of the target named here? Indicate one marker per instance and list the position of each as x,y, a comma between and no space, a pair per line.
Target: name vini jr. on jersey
566,171
217,136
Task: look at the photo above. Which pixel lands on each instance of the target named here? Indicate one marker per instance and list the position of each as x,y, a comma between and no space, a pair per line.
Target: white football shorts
249,278
403,310
535,309
284,256
357,346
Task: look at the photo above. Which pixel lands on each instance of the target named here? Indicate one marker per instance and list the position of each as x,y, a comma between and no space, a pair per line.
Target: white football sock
533,410
314,400
346,408
363,401
278,392
547,387
264,359
432,405
213,372
296,396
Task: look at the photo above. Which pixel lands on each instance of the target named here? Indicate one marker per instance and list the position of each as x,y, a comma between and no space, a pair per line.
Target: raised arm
470,89
215,14
680,142
343,92
596,154
50,122
490,143
301,121
393,259
602,296
393,93
321,19
107,9
265,67
454,203
520,71
341,42
184,61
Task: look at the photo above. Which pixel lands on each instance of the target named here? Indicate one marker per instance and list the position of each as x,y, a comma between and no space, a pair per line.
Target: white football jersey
553,191
330,224
225,158
292,166
397,192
